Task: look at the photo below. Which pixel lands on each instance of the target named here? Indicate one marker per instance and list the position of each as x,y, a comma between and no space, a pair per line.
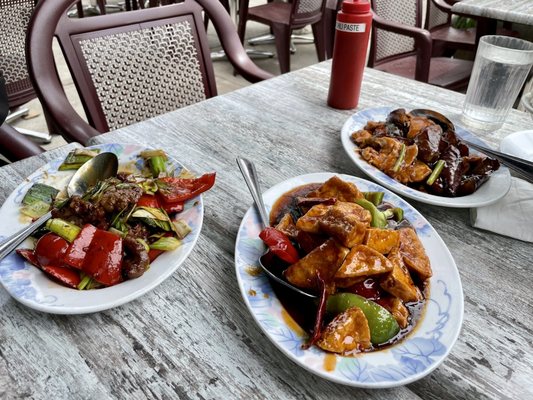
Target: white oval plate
411,359
519,144
491,191
31,287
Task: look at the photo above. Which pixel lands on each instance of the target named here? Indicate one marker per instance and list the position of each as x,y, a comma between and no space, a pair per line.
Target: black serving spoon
250,177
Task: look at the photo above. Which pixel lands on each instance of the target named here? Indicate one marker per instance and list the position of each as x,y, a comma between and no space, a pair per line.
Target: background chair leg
282,35
320,42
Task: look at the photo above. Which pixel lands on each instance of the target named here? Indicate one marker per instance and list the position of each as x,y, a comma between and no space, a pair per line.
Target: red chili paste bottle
352,31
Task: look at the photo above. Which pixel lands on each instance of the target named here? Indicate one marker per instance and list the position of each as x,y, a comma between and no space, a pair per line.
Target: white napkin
511,216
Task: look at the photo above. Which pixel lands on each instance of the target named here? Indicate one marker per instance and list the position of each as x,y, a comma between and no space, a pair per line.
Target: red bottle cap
355,6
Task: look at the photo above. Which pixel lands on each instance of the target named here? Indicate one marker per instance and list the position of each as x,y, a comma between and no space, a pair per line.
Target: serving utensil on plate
103,166
522,168
249,173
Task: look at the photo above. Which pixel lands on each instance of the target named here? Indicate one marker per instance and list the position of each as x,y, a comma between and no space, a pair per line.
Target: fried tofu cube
398,282
413,253
347,282
363,261
341,190
382,240
347,333
287,226
309,241
398,310
346,222
326,259
309,221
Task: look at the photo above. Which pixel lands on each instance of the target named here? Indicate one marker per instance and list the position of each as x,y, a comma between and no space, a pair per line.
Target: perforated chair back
435,16
305,12
128,67
14,18
385,44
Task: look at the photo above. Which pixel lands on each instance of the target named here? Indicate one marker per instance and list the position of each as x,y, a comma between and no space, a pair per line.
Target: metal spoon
250,177
522,168
102,166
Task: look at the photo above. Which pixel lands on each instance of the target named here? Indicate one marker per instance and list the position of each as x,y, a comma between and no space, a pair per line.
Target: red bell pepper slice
148,200
77,251
154,253
279,244
158,201
64,275
29,256
173,190
172,208
105,263
50,250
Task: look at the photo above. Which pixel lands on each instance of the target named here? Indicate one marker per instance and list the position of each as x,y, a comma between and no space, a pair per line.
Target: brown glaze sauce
300,311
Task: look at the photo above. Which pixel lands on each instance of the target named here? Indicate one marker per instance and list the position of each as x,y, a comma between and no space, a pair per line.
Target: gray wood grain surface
519,11
192,337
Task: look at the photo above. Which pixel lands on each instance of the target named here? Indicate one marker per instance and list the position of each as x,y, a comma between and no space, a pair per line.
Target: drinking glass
500,70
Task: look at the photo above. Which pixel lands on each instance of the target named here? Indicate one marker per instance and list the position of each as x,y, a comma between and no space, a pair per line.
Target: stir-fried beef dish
421,153
361,258
117,228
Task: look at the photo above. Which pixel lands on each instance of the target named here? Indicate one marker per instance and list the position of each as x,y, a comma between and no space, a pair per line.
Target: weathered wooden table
192,336
519,11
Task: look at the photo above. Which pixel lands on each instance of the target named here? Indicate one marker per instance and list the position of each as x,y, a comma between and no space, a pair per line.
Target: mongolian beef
418,152
116,229
361,258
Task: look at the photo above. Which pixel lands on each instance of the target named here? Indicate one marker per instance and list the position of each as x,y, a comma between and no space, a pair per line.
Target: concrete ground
226,80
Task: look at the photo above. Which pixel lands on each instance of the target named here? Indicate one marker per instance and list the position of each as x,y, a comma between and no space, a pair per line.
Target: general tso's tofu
347,282
309,241
346,222
413,253
398,310
347,333
287,226
326,258
398,282
309,221
363,261
382,240
339,189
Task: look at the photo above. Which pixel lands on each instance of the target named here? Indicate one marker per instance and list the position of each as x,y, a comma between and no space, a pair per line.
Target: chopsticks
522,168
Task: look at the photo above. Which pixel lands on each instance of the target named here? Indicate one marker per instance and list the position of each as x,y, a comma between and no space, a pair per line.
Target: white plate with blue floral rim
31,287
491,191
412,358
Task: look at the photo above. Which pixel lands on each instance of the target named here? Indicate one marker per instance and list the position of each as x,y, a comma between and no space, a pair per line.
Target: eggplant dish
423,154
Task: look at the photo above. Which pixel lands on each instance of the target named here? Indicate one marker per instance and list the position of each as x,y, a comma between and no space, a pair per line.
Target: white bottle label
346,27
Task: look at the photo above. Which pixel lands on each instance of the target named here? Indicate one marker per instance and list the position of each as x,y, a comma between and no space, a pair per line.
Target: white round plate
491,191
30,286
519,144
410,359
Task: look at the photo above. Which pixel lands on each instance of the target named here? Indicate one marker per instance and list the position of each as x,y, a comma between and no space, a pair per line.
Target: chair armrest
45,79
231,43
423,43
443,5
15,146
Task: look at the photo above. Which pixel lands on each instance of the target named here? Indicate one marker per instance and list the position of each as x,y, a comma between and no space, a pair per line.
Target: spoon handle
250,177
11,243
